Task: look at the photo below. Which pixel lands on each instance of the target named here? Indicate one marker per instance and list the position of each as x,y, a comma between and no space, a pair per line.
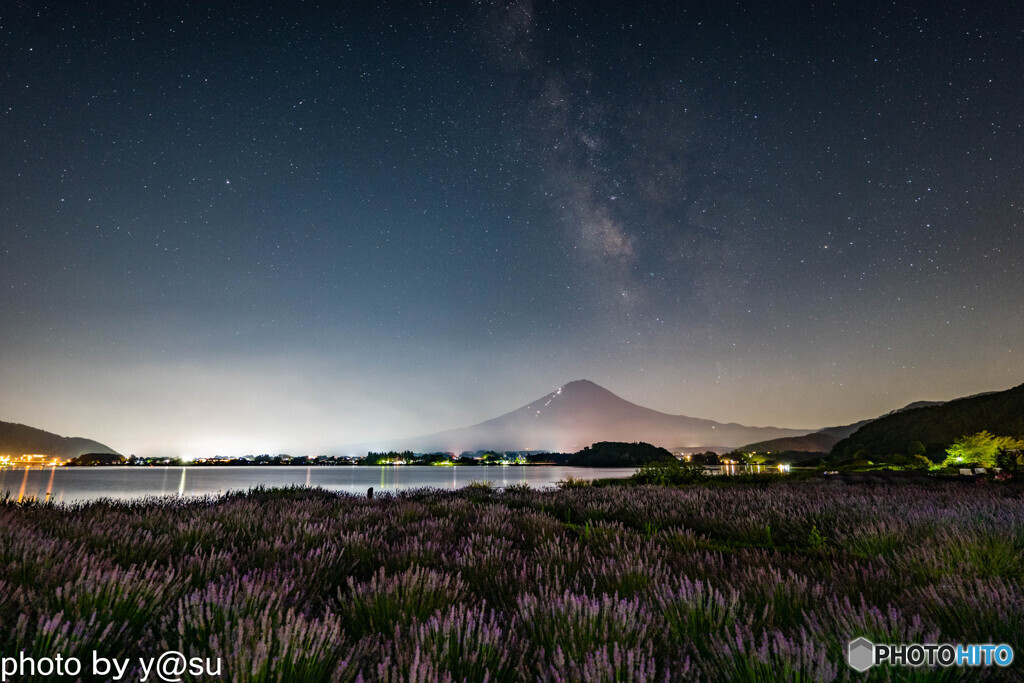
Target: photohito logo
862,654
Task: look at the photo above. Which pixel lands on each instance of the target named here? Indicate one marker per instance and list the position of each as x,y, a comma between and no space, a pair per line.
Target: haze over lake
80,484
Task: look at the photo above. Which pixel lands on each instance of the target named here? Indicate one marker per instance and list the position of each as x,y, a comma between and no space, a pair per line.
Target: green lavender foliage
636,583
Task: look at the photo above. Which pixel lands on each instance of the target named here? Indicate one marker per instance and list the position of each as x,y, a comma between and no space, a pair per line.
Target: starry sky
247,227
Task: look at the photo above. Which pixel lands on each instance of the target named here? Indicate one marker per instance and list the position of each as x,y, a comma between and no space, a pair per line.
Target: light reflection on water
83,484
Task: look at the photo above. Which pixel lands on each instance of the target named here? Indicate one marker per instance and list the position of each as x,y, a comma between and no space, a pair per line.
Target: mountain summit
580,413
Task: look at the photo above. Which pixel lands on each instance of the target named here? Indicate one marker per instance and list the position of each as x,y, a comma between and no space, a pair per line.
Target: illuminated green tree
980,448
919,462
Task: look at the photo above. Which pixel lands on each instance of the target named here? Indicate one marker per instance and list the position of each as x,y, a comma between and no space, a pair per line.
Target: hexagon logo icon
861,654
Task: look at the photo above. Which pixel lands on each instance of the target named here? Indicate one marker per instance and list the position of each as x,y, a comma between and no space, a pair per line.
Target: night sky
283,227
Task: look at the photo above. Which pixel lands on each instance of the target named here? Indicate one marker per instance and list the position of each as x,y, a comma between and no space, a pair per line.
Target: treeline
466,458
601,454
406,458
265,460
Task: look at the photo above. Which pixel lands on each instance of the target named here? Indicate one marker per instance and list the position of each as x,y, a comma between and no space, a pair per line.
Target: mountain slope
936,426
818,442
824,440
581,413
18,439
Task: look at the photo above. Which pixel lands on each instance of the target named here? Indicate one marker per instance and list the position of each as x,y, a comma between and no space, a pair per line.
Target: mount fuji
580,413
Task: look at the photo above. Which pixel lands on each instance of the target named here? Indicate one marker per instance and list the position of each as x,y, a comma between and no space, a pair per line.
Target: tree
916,448
980,449
1009,461
919,462
705,458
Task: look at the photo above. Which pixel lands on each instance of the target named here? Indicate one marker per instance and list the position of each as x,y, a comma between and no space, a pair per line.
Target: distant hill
618,454
19,439
87,459
581,413
818,442
936,426
824,440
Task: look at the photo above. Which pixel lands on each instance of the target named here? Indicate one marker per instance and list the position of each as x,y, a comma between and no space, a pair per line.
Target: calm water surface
83,484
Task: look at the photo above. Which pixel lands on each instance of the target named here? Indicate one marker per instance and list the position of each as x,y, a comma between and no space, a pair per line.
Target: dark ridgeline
19,439
937,426
824,440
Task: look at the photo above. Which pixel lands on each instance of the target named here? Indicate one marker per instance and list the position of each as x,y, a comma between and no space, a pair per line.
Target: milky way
250,227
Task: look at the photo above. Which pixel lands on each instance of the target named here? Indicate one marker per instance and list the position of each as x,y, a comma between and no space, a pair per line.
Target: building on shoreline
29,460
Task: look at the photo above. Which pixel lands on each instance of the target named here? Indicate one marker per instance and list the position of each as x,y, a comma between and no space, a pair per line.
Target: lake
84,484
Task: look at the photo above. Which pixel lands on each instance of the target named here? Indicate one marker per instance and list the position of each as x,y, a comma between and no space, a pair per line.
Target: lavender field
742,582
